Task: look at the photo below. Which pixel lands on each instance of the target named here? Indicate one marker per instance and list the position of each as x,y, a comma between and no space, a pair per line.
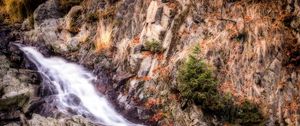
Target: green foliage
153,46
248,113
197,84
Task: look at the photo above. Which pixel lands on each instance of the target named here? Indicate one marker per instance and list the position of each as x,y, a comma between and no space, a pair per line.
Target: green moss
153,46
11,102
248,113
196,83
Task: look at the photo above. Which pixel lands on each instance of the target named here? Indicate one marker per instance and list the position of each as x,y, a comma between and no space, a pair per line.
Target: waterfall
71,79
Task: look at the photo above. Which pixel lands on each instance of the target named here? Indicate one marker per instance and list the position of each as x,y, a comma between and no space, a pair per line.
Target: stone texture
251,48
38,120
47,10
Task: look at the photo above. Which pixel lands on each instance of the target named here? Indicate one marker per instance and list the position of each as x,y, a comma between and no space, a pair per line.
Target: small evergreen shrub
153,46
196,83
248,113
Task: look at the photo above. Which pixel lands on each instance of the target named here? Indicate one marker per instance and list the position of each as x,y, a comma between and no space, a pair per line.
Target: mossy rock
18,101
153,46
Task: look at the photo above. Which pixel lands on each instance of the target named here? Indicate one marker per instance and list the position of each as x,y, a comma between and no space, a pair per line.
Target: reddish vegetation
151,102
136,40
146,54
144,78
156,117
160,57
172,5
173,97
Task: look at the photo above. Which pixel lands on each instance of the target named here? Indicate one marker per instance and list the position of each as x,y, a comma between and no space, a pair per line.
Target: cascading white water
72,79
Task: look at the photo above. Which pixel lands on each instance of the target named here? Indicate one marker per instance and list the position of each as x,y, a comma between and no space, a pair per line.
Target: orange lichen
146,54
172,5
156,69
294,106
160,57
152,89
157,116
151,102
144,78
136,40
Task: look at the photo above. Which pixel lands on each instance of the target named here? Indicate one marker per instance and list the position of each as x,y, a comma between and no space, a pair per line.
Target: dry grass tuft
103,37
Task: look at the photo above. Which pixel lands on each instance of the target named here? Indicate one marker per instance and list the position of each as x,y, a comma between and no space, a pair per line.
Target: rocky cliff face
137,46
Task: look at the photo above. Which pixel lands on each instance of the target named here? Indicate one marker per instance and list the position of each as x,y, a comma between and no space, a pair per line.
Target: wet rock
47,89
4,38
16,55
29,76
73,99
46,106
